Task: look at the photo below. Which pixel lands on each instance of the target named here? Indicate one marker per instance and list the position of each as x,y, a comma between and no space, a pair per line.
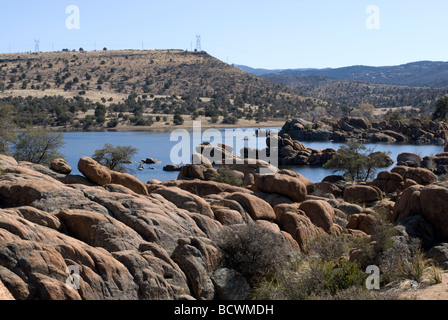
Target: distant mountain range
433,74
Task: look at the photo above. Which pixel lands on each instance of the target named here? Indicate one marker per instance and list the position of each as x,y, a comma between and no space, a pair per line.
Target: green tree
441,109
5,127
100,113
113,157
37,146
178,120
355,162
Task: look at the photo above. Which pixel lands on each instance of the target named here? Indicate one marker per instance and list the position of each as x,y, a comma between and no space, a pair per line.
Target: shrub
254,251
112,123
314,279
227,175
329,247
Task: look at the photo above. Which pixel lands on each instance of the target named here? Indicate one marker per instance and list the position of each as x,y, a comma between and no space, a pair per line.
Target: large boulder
94,171
172,168
407,204
420,175
205,188
434,205
361,193
257,207
410,159
251,166
418,227
185,200
388,182
320,213
35,260
21,186
101,175
363,222
157,275
286,185
385,159
128,181
198,257
61,166
99,230
197,171
349,208
297,224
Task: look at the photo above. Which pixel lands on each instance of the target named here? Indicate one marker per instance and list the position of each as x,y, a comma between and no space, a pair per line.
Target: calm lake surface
158,145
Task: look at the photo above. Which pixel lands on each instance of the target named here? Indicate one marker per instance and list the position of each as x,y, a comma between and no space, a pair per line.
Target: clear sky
258,33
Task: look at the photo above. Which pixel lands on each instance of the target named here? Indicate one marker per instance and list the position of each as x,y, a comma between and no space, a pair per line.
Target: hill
419,74
354,93
139,85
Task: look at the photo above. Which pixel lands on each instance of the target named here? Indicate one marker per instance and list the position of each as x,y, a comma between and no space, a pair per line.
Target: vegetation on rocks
113,157
355,162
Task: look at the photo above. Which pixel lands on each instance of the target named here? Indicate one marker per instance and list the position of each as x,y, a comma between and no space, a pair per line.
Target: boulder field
362,129
157,240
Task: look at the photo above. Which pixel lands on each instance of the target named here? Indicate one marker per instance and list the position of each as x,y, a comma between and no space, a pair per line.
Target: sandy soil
429,292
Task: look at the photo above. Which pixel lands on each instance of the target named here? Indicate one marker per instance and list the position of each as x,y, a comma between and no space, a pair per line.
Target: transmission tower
36,45
198,43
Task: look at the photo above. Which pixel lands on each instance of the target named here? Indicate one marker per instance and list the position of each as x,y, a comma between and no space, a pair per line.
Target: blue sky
257,33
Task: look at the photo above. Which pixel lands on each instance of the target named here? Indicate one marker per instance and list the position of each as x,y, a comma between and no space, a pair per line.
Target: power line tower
198,43
36,45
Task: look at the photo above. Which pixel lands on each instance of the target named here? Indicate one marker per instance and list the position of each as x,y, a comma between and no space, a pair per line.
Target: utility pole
198,43
36,45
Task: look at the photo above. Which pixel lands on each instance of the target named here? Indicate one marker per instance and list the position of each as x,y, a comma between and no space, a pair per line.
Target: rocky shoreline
363,130
157,240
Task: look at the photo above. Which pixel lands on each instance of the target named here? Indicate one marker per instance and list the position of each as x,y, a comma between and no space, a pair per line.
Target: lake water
158,145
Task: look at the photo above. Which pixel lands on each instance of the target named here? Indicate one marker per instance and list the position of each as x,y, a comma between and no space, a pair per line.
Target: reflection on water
158,145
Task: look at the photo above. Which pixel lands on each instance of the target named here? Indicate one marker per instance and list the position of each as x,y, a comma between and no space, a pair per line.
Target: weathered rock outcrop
61,166
127,240
362,193
361,129
283,184
101,175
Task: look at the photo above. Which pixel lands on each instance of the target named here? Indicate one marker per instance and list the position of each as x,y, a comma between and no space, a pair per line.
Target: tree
178,120
100,113
355,163
5,132
441,109
113,157
364,110
37,146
